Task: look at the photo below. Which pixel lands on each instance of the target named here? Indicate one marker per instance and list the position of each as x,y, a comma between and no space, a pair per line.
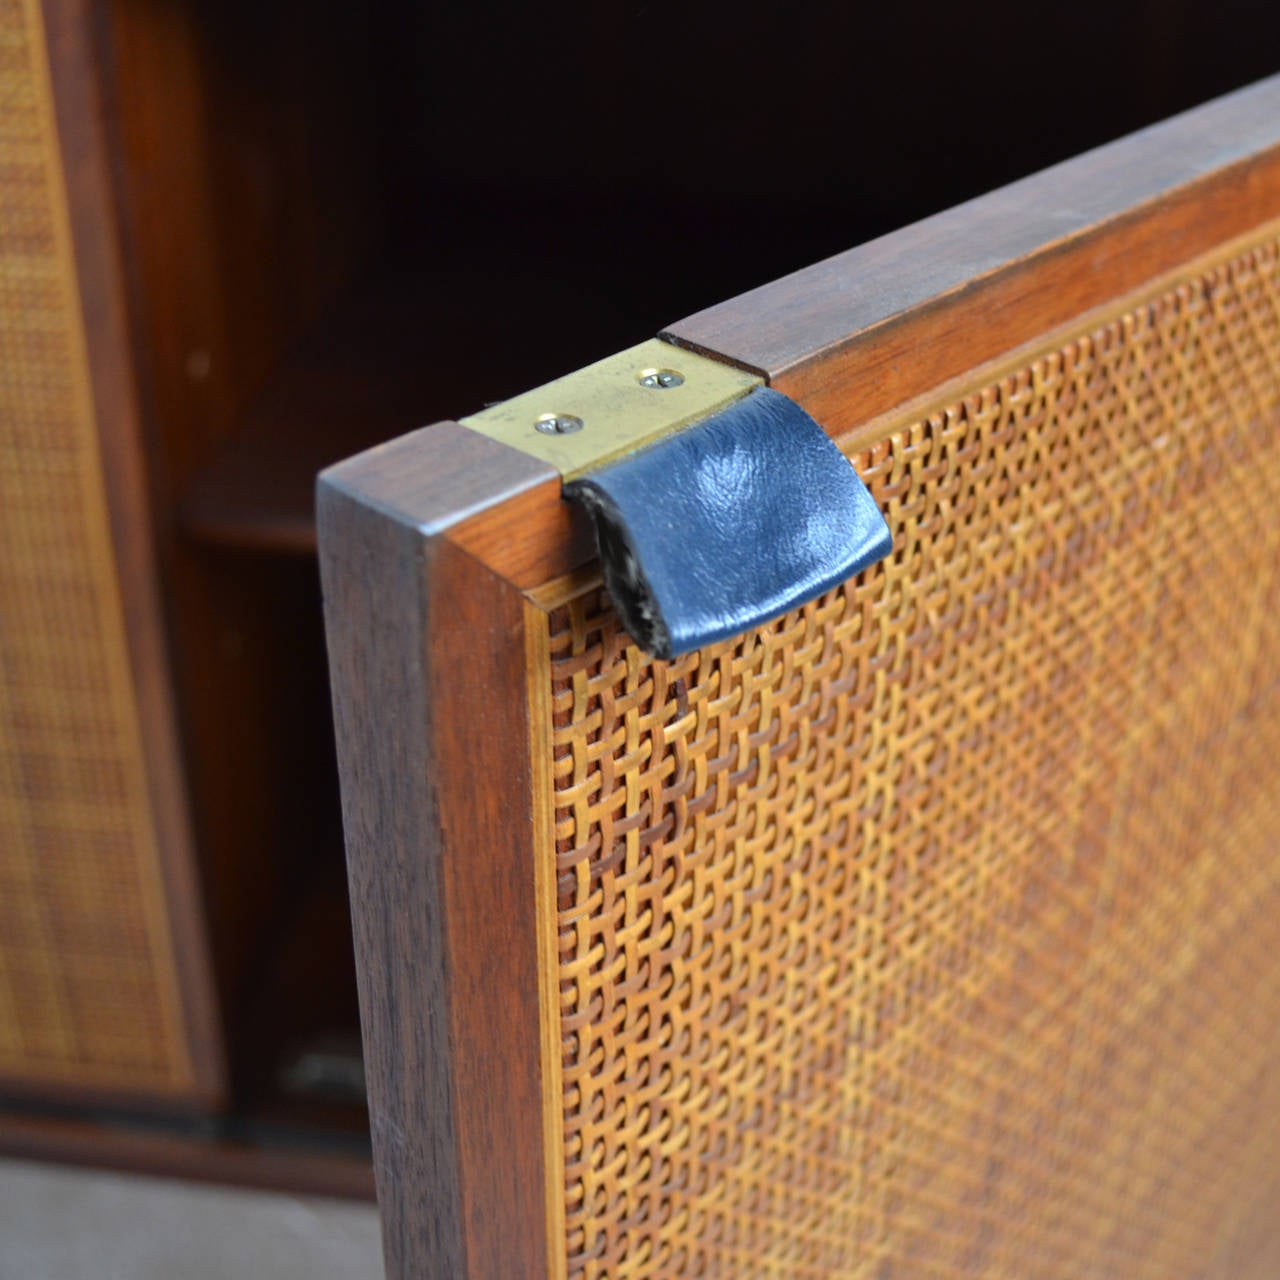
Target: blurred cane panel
89,986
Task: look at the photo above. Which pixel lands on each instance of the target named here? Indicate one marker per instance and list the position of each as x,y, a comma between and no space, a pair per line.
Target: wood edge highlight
811,315
538,660
876,429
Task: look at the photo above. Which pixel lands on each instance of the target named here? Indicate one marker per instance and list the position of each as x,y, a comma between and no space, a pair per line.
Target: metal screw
660,378
558,424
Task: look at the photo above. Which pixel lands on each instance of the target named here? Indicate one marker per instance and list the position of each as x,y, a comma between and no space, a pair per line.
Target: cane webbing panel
934,930
86,970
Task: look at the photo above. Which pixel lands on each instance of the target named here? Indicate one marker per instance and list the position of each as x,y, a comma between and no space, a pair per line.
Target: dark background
666,155
569,178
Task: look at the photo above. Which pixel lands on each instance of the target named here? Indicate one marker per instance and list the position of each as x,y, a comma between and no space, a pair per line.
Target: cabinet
243,241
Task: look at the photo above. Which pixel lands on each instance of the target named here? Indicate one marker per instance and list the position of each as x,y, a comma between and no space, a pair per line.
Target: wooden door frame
431,545
431,676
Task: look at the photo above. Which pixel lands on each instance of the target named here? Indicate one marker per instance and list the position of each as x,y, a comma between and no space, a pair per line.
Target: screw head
660,379
557,424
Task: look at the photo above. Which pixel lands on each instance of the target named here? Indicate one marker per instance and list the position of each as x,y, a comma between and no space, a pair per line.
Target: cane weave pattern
85,965
934,930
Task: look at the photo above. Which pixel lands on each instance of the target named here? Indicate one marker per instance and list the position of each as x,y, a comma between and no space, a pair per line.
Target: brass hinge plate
615,406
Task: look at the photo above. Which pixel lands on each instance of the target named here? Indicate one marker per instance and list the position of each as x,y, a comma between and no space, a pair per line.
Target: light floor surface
76,1224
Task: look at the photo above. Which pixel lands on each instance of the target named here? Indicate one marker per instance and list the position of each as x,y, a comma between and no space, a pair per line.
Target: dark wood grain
427,659
864,331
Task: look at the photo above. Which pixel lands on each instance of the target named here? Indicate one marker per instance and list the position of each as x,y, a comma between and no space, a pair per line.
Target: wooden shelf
405,349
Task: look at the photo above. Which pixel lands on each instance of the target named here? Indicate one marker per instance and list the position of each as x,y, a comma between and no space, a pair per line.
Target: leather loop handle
728,524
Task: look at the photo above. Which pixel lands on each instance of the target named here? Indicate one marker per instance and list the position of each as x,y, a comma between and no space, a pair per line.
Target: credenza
240,242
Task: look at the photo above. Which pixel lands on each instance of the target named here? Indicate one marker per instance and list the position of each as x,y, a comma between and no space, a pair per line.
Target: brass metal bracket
615,406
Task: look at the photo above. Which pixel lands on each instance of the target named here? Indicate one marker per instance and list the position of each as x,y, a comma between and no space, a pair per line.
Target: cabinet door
104,979
929,929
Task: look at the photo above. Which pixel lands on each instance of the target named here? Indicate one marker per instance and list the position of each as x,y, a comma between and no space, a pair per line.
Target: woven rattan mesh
934,930
85,968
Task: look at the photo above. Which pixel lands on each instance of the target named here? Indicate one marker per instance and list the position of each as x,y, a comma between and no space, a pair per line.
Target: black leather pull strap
728,524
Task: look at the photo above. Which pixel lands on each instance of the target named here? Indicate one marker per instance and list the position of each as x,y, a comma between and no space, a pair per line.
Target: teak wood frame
438,548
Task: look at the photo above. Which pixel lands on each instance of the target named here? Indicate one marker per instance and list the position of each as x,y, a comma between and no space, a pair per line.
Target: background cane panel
931,931
87,974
